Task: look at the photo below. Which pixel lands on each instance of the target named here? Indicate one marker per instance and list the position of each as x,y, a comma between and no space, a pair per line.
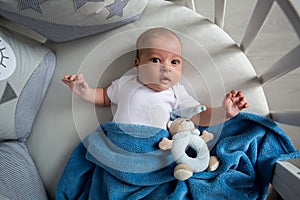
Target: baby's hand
76,83
234,102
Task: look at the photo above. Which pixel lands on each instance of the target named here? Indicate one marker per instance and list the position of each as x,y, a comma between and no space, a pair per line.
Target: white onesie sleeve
113,91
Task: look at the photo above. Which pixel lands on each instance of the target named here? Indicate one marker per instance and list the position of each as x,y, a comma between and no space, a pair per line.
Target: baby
149,97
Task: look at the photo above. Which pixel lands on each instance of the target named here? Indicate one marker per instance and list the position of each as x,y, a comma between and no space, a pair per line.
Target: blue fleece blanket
121,161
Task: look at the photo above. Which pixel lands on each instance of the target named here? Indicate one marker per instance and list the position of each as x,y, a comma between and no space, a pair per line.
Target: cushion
64,20
19,178
26,69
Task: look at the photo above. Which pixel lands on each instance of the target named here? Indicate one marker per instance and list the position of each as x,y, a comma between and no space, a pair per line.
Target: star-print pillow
26,69
64,20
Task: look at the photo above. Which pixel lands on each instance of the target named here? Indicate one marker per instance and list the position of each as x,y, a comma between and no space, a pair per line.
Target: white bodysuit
137,104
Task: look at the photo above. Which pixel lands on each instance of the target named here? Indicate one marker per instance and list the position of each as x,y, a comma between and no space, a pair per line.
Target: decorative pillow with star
64,20
26,69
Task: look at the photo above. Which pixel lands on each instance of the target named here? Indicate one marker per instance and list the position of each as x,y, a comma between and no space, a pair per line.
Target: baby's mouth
165,79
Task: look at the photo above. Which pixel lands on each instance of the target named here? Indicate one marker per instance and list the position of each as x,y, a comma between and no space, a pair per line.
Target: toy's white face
7,60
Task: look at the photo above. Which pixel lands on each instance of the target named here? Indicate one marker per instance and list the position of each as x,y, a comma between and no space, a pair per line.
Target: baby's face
160,69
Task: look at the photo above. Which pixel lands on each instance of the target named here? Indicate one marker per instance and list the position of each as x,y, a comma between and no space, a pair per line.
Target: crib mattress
213,66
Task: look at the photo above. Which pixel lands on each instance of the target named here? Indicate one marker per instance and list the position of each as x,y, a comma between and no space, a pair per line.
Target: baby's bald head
159,38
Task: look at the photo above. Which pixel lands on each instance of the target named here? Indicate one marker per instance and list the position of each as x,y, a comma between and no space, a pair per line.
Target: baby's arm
233,103
81,88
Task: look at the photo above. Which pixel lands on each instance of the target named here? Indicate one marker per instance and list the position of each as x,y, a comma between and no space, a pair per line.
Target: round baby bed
218,66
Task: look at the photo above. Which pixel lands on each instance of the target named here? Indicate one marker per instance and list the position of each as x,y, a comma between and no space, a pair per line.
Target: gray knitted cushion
64,20
19,178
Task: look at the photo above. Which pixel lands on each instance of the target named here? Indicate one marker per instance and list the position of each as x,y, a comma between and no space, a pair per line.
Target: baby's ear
136,62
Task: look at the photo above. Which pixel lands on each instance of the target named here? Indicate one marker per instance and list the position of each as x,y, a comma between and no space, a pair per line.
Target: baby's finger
79,77
72,77
228,95
65,78
242,98
65,81
69,78
243,104
233,93
240,94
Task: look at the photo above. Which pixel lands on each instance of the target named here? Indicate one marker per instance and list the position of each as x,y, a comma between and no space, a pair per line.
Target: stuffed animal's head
180,125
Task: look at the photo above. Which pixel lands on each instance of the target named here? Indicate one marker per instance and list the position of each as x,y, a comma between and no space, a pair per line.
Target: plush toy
184,135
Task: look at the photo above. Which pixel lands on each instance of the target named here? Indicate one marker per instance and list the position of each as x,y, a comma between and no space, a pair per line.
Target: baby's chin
158,87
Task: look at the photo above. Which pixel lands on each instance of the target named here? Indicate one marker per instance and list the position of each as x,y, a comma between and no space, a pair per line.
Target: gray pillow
19,178
64,20
26,69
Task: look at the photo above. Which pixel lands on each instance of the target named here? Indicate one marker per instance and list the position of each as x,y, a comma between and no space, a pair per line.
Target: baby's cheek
148,74
176,78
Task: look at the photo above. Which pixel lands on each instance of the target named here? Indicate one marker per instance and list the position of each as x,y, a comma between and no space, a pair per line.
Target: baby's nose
166,68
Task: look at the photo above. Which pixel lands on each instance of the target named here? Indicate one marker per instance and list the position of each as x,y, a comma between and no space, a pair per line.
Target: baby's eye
155,60
175,62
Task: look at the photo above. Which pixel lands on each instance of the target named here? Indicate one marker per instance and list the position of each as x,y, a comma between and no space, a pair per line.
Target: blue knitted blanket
121,161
